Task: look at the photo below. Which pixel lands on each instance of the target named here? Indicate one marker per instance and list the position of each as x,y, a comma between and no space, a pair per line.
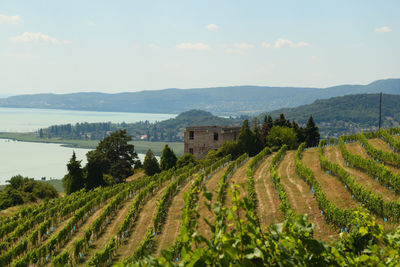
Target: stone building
201,139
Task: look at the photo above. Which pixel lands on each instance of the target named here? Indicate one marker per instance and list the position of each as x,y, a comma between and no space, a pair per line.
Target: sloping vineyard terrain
176,212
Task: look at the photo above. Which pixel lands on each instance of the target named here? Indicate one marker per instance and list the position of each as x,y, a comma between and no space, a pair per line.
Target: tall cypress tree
311,133
73,181
282,121
266,127
150,163
168,158
246,140
258,140
96,166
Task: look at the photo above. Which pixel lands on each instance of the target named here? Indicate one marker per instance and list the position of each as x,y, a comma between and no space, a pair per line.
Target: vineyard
349,190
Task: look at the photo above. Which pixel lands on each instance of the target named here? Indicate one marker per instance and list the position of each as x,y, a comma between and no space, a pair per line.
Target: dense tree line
21,190
271,133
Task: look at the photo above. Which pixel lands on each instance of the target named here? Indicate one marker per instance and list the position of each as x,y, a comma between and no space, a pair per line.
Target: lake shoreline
140,146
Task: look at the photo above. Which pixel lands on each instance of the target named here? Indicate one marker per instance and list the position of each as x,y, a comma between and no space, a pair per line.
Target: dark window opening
191,135
191,150
215,136
234,136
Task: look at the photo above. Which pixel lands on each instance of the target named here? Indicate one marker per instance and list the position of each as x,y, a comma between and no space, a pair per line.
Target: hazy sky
112,46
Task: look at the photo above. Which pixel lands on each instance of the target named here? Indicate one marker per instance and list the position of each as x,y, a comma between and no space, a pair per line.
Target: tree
267,125
95,168
282,121
229,148
299,132
279,136
150,164
258,141
247,140
311,133
185,160
74,180
168,158
116,156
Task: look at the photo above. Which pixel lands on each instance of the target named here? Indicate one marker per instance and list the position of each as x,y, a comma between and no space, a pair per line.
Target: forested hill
219,100
347,114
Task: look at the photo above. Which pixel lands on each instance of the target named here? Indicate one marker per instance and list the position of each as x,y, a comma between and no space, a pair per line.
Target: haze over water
29,120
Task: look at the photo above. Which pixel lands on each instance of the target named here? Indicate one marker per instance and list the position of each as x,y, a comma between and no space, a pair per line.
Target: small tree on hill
311,133
266,127
119,154
150,164
246,140
74,180
95,168
279,136
168,158
185,160
282,121
258,141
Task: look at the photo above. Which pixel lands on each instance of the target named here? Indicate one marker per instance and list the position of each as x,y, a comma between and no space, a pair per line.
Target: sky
67,46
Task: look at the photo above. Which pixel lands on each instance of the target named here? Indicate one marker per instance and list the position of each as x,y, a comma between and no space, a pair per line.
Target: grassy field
140,146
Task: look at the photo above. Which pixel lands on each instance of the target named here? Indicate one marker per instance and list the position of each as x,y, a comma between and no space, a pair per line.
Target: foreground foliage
241,242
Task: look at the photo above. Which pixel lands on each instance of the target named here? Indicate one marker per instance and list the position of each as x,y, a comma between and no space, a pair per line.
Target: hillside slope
232,100
347,114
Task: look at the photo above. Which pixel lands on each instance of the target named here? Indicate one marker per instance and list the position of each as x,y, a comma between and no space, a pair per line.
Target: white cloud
194,46
282,42
265,44
91,24
212,27
153,46
4,19
383,29
32,37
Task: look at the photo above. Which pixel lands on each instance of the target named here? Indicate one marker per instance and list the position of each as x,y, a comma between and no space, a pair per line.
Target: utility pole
380,110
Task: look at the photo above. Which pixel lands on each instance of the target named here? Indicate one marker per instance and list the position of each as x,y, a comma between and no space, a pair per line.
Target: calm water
36,160
29,120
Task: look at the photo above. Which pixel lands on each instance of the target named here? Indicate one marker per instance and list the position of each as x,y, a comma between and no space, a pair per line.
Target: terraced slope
81,230
334,155
380,144
330,185
172,225
211,185
238,178
111,229
301,198
142,224
267,198
357,149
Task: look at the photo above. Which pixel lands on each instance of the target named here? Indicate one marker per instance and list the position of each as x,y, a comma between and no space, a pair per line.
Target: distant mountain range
347,114
232,100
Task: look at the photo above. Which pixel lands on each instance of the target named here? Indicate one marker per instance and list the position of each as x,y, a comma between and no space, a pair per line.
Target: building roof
213,128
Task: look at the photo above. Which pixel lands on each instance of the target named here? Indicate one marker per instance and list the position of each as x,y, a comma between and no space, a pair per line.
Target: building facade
201,139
